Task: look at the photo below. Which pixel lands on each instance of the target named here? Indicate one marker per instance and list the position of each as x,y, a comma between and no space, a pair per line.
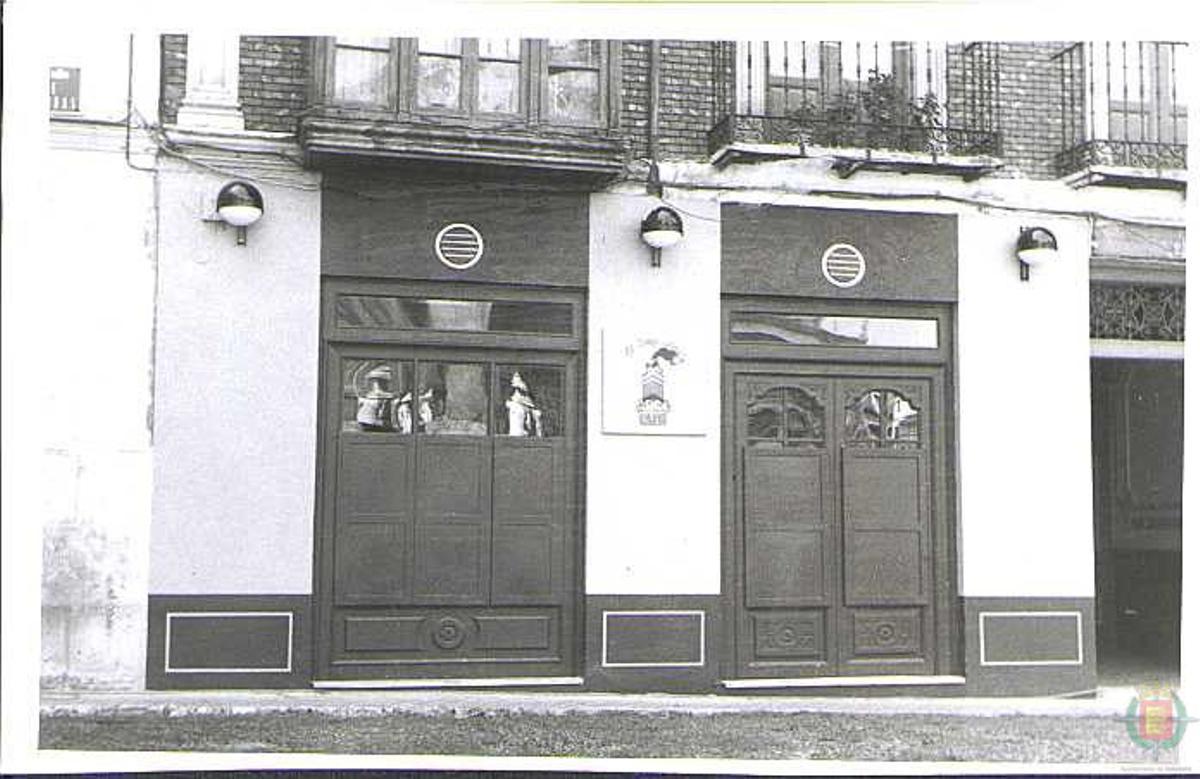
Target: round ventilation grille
458,246
843,265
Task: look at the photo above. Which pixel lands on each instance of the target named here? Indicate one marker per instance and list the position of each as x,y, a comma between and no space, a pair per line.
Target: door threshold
842,681
415,684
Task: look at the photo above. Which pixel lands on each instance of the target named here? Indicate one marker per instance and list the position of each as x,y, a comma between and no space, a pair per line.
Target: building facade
466,407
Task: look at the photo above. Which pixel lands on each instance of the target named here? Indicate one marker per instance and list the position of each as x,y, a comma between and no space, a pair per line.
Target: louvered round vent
843,265
458,246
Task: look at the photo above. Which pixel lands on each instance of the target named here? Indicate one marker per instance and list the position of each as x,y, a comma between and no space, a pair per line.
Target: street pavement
1074,731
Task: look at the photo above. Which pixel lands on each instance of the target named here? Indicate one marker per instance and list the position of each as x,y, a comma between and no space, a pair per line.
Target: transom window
558,81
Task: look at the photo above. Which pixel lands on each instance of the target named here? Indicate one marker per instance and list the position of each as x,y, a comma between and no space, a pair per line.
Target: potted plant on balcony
878,115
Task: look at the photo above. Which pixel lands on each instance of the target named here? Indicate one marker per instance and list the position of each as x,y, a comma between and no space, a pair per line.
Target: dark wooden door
833,522
448,539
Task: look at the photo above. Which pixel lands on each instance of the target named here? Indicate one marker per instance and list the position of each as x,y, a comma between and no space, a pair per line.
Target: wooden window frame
533,90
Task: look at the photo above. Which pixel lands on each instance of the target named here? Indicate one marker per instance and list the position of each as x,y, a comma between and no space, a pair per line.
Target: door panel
785,530
373,537
453,529
371,563
834,562
528,532
885,523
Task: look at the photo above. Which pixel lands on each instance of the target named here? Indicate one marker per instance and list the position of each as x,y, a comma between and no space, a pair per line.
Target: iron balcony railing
1122,106
868,95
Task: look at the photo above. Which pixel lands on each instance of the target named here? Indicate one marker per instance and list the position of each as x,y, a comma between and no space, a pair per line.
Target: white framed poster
651,384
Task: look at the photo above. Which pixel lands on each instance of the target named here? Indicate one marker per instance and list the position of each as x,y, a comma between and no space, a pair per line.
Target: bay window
485,80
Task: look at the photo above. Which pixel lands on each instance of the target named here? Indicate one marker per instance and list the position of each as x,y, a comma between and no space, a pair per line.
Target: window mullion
397,73
535,79
469,86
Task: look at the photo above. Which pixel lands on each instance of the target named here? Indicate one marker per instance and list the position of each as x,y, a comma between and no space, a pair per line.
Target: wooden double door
448,540
839,558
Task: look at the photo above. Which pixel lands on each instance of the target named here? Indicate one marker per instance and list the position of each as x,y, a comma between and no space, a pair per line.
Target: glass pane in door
452,398
376,396
529,401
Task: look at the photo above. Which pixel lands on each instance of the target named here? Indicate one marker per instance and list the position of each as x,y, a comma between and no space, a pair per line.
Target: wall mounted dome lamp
661,229
240,204
1035,246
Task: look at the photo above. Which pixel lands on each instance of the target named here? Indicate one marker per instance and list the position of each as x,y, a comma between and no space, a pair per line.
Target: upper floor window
780,78
866,94
1123,104
814,75
490,79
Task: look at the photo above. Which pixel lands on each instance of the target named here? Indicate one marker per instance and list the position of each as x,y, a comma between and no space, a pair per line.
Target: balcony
881,106
1123,115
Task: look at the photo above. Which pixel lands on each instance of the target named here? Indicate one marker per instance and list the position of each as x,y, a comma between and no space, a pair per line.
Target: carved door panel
832,526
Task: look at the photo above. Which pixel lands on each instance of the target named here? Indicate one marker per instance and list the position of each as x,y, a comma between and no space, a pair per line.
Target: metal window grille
866,94
1122,105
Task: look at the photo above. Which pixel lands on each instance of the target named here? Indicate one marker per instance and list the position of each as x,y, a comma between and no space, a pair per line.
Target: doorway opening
839,531
448,535
1137,476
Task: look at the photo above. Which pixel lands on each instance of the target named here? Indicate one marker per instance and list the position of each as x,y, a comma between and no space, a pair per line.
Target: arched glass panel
882,417
786,414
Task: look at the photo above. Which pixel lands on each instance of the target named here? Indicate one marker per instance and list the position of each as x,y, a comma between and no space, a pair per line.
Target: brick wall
273,82
174,76
687,108
1031,106
1024,103
272,85
635,95
686,94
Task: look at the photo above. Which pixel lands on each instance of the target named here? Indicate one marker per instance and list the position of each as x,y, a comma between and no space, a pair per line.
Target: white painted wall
654,502
104,63
1024,412
235,392
92,285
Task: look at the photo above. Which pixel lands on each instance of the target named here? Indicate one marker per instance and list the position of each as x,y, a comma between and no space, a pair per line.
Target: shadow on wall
92,635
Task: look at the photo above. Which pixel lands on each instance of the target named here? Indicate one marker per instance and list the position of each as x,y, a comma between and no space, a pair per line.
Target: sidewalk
492,723
1109,702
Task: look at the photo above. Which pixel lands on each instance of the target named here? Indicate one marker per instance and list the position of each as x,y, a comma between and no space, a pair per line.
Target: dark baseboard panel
228,642
653,642
1029,646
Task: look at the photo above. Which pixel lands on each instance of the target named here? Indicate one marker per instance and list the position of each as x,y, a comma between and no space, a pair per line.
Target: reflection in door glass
790,415
804,415
376,396
529,401
882,417
451,399
814,330
388,312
